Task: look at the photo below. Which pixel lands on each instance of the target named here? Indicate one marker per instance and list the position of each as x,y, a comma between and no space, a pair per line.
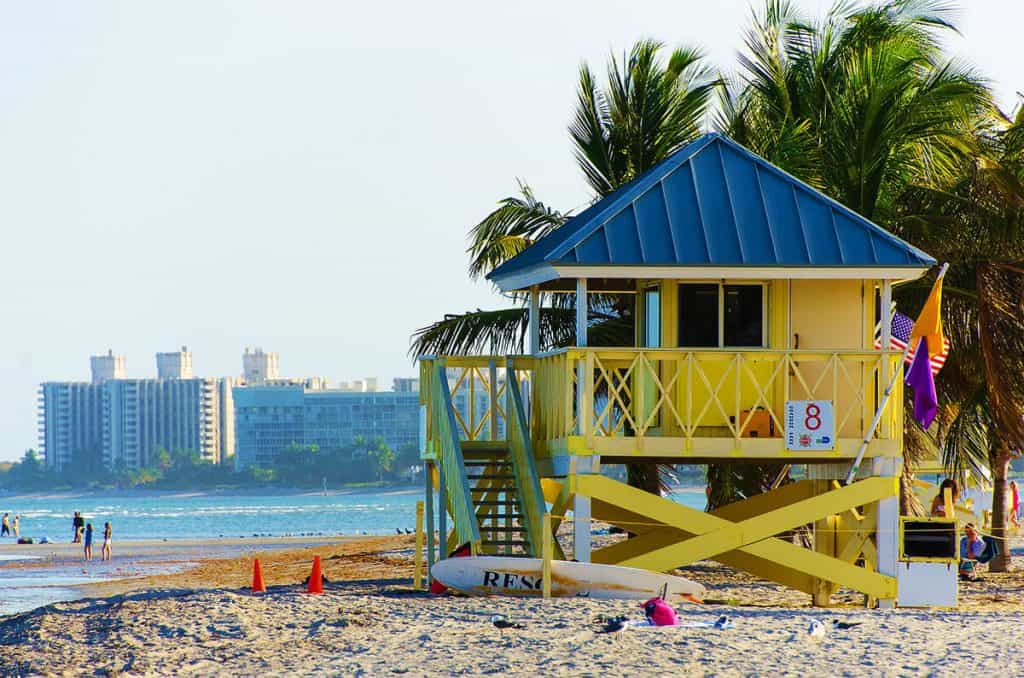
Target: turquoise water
199,516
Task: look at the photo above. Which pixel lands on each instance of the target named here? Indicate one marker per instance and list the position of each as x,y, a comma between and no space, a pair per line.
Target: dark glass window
744,318
698,316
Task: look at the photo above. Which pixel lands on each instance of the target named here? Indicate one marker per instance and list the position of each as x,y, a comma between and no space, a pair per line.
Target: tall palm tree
978,226
864,105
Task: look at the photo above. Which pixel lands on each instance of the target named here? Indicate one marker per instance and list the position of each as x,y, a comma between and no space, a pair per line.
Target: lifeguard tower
757,301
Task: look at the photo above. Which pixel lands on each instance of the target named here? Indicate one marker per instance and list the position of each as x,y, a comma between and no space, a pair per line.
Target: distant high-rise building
268,419
405,385
71,425
143,416
106,367
259,367
367,385
176,365
226,413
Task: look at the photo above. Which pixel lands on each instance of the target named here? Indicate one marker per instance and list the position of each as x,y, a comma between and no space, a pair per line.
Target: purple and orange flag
928,330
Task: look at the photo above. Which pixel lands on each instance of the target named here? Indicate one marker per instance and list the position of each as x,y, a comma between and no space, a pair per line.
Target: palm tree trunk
1000,563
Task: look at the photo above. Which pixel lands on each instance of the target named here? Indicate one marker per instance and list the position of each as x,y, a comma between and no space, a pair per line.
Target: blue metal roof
713,203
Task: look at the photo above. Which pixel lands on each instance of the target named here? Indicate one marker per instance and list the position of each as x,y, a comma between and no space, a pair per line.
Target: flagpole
885,400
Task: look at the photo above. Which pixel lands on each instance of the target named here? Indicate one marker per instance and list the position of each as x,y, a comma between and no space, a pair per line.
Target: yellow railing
638,393
531,496
477,391
445,448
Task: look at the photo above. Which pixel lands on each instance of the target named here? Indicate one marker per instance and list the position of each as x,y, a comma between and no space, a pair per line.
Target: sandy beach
203,620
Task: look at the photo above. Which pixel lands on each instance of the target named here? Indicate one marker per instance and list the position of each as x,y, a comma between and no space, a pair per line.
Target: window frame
722,284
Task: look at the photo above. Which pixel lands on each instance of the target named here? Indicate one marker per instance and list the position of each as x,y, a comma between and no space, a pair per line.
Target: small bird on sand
843,626
501,622
816,630
398,530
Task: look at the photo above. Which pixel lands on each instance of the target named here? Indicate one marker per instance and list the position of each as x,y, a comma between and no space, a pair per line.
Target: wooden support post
417,573
442,514
428,471
533,325
582,378
581,511
546,553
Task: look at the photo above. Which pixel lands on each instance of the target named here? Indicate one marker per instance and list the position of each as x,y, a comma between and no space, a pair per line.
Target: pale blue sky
295,175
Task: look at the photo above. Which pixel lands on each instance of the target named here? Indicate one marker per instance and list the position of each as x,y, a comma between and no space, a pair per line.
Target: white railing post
533,324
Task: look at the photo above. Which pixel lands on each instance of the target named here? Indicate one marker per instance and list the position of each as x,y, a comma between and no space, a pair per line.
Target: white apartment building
175,365
71,425
141,416
259,367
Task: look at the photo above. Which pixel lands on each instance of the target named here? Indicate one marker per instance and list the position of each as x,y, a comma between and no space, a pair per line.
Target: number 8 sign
810,425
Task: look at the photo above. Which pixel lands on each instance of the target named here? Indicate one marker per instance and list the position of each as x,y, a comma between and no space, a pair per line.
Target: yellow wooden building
753,292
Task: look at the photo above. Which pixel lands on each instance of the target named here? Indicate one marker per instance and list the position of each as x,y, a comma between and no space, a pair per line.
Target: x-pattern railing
691,393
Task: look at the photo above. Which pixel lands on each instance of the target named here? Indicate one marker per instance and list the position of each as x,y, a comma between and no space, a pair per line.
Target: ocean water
200,516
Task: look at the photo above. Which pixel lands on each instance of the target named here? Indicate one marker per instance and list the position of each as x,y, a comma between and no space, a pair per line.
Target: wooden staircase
490,472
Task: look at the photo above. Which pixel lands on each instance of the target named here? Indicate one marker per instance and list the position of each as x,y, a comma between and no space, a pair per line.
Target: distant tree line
362,462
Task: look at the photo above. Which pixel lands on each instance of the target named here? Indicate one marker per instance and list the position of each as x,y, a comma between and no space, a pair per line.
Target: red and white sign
810,425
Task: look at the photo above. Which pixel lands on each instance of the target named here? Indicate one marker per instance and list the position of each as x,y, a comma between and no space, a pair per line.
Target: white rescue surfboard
504,576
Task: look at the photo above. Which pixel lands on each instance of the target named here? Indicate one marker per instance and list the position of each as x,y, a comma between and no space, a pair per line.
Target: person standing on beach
88,541
5,527
105,553
14,526
77,525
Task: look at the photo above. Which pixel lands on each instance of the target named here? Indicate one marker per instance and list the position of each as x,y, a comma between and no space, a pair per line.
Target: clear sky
295,175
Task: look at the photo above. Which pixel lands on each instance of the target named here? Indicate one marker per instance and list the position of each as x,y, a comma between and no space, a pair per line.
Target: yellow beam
778,554
741,560
730,536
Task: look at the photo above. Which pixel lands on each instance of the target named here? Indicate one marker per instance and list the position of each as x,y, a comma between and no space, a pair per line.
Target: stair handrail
451,462
520,445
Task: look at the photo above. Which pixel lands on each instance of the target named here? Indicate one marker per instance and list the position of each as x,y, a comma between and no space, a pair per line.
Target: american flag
901,327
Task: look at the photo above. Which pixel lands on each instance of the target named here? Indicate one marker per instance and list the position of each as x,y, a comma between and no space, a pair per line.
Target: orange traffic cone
257,578
316,578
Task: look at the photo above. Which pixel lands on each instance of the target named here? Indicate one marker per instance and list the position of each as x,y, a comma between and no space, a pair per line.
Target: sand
370,621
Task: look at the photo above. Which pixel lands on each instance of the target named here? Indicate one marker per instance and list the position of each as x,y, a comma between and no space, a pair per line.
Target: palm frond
517,222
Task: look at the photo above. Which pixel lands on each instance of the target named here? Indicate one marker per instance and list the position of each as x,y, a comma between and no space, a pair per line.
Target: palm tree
863,105
647,110
860,104
978,226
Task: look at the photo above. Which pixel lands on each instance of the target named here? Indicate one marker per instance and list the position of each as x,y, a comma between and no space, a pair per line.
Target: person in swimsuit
938,503
15,527
88,541
105,553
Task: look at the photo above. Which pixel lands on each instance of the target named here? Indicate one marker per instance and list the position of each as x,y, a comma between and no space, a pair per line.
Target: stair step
500,516
484,528
487,462
502,542
496,502
491,476
503,489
